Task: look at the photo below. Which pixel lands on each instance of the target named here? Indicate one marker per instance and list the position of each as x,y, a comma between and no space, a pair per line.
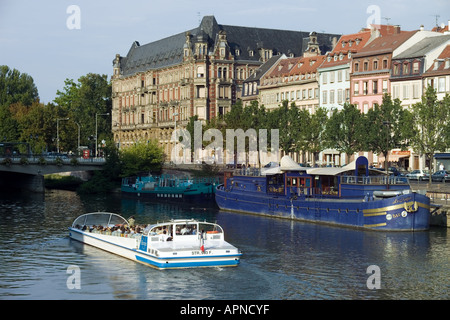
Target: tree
345,129
430,124
284,118
142,157
15,88
82,101
314,131
383,125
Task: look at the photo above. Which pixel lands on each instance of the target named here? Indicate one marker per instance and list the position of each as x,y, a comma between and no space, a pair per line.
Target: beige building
200,72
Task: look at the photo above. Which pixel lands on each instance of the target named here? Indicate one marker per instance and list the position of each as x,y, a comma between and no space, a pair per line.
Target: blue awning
442,155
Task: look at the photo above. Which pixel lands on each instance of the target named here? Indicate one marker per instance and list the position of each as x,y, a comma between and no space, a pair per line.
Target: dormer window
350,43
237,52
250,53
343,44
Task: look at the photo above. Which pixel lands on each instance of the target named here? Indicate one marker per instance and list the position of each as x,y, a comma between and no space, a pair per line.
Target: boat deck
170,246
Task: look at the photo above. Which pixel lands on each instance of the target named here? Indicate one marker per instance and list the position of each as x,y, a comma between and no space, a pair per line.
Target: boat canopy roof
358,167
99,219
286,164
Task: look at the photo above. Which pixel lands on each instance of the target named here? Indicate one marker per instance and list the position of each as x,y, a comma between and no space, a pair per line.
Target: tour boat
180,243
169,187
354,195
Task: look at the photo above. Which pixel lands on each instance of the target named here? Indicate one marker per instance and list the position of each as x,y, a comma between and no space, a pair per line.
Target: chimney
396,29
421,27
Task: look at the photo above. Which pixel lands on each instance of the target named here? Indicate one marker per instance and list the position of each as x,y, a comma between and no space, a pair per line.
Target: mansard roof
265,68
169,51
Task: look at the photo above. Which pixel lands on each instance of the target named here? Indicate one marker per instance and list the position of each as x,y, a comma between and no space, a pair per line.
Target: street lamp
387,124
96,129
79,129
57,131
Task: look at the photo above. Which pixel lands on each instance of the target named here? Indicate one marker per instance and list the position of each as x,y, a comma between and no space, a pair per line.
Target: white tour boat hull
163,255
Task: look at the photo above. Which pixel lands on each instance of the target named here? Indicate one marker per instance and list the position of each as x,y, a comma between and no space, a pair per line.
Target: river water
282,260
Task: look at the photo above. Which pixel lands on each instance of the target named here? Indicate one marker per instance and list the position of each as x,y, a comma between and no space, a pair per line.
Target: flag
202,245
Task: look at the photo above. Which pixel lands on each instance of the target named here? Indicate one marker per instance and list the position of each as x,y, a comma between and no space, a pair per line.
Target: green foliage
142,157
430,124
16,87
56,181
384,126
345,130
81,101
99,183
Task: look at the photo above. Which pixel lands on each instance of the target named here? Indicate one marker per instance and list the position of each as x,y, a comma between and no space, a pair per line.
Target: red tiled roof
284,66
347,43
440,29
384,44
307,65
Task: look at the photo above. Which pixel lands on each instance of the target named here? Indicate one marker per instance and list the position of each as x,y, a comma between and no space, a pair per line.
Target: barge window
292,182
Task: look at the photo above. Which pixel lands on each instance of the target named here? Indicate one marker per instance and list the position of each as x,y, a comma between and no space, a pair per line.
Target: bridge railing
51,160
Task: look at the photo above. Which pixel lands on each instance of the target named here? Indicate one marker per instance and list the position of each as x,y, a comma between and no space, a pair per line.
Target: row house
408,84
334,80
250,87
370,75
438,74
200,72
294,79
371,66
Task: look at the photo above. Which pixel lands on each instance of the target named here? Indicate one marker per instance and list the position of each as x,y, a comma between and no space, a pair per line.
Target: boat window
161,229
184,229
101,218
209,228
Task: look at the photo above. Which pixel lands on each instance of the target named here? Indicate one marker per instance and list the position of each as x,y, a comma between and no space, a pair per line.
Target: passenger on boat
131,221
185,230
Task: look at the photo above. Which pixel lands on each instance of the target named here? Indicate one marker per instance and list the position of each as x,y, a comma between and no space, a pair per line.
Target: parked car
418,175
393,171
441,175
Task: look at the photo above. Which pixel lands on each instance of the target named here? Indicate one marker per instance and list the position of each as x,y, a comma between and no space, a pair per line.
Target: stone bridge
28,173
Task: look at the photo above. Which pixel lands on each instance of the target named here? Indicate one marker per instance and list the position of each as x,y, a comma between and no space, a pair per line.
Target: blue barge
353,196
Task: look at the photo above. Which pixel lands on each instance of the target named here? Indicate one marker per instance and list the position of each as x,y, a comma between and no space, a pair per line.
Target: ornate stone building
160,85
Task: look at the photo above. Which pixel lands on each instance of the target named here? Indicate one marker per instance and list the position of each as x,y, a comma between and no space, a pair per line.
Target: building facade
200,72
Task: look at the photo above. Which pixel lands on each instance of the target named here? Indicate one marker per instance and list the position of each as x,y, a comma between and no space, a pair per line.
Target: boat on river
180,243
354,195
168,187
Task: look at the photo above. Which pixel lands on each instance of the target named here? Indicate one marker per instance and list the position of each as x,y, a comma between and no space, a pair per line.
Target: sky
54,40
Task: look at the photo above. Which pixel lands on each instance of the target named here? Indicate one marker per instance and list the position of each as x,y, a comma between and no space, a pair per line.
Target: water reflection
282,259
